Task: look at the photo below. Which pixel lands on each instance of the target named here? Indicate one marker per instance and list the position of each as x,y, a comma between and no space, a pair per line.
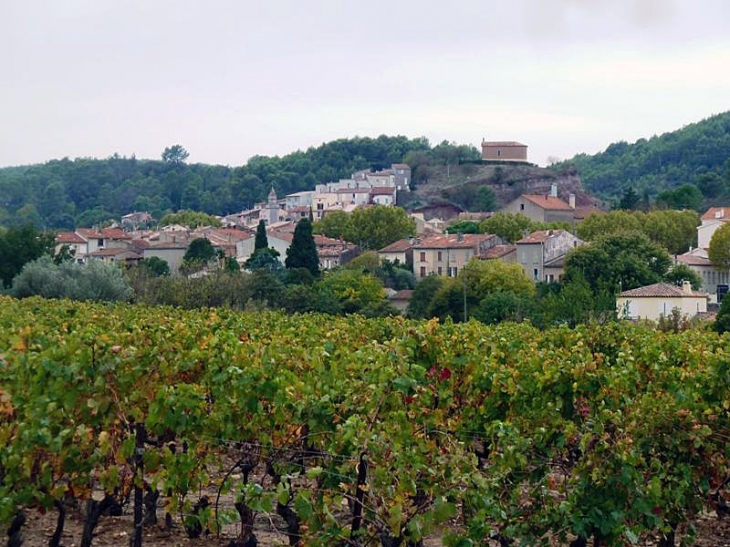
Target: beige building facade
448,254
504,151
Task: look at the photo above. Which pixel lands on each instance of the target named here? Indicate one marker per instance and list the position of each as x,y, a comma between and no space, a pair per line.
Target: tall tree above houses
261,241
302,253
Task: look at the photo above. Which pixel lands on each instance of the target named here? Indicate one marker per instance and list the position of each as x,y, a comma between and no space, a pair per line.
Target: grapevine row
362,432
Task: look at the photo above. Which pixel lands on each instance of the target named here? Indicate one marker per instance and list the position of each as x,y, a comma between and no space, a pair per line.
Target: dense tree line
68,193
696,157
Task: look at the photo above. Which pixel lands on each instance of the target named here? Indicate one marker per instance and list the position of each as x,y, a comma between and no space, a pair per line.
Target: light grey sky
232,79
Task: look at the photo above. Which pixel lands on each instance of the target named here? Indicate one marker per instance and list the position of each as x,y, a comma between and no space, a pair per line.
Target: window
440,270
439,256
100,243
536,273
423,271
423,256
453,271
320,206
522,206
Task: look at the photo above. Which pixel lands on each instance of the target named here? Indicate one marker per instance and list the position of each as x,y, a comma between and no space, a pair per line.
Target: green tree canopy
618,262
722,321
378,226
463,227
353,290
175,154
155,266
513,226
191,219
674,230
335,224
687,196
679,273
302,253
422,296
719,251
21,245
200,252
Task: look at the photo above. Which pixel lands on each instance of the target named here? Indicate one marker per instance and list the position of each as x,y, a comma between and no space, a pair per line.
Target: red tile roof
69,237
452,241
399,246
115,252
401,166
382,191
498,251
660,290
353,191
548,203
717,213
140,243
694,260
105,233
540,236
502,143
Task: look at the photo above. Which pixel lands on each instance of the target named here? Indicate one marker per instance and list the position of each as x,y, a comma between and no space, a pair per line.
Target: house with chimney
548,208
660,300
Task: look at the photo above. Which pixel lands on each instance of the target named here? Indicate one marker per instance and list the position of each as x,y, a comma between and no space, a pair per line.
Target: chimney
686,287
553,190
571,200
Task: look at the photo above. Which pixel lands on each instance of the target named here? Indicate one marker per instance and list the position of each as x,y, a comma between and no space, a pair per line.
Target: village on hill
436,245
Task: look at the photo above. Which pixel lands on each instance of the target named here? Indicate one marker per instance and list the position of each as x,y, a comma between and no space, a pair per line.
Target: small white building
660,299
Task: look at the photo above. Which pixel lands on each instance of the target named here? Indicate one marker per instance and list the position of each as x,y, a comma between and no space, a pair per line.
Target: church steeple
272,208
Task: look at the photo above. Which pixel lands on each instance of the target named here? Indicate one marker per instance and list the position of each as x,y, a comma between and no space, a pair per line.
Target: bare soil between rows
116,531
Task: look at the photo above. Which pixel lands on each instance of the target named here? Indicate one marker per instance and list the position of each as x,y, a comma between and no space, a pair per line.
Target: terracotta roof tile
540,236
661,290
694,260
717,213
69,237
498,251
382,191
502,143
452,241
399,246
548,203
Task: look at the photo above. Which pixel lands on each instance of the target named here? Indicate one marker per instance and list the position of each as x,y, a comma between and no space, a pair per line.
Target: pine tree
302,253
261,242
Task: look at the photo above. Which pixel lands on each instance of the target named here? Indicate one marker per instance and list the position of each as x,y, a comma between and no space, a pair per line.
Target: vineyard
356,432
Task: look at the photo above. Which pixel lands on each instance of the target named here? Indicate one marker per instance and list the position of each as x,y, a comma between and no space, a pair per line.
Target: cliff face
456,184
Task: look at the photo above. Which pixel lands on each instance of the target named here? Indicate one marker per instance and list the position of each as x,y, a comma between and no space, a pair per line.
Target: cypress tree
302,253
261,242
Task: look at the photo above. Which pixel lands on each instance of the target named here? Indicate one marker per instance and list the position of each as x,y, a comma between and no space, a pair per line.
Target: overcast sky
232,79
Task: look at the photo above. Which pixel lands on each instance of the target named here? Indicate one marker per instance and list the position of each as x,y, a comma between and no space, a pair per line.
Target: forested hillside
67,193
697,154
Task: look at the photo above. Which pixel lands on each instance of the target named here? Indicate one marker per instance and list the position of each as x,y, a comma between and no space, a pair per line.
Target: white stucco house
660,299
